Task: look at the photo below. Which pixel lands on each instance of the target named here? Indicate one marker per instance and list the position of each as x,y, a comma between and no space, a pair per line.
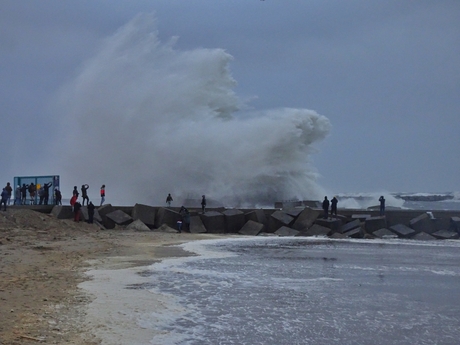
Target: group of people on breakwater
184,212
333,204
76,205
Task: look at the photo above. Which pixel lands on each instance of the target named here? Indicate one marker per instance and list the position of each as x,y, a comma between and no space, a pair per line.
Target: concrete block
84,214
332,223
402,231
62,212
167,216
214,222
294,212
145,213
338,235
361,217
306,218
446,235
355,233
454,223
234,220
138,225
384,233
251,228
257,216
120,217
103,211
196,225
372,224
286,231
166,228
423,236
423,223
278,219
350,226
317,230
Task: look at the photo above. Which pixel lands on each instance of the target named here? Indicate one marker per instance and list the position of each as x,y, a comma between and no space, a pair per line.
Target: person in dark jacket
46,189
84,194
75,192
57,196
9,190
24,189
203,203
382,205
91,208
4,199
334,202
169,199
185,214
325,207
76,211
32,190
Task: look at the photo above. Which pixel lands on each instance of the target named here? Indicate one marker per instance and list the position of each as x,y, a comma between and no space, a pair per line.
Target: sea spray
147,119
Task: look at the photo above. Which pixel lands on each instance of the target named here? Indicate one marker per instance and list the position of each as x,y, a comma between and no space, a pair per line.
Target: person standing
32,190
334,202
4,199
17,194
75,192
90,212
24,189
325,207
46,188
185,214
76,211
102,194
382,205
9,190
57,196
203,203
84,194
169,199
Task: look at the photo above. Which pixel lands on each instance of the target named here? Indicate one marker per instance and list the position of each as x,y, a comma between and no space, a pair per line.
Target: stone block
294,212
277,220
120,217
196,225
454,223
257,216
234,220
423,236
402,231
372,224
167,216
62,212
446,235
214,222
317,230
350,226
361,217
423,223
138,225
286,231
103,211
333,224
338,235
355,233
384,233
84,214
306,218
144,213
166,228
251,228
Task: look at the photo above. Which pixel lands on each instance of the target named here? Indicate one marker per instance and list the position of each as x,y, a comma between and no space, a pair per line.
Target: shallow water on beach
309,291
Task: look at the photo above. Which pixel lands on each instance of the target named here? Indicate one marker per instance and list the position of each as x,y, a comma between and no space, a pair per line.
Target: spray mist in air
147,119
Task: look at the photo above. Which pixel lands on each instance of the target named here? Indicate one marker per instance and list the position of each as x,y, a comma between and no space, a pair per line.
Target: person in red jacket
102,194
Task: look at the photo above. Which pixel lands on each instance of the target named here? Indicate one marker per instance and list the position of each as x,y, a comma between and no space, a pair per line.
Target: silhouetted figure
325,207
203,203
9,190
41,195
75,192
46,188
76,211
185,214
4,199
32,190
334,202
102,194
17,195
24,189
84,194
382,205
57,196
90,212
169,199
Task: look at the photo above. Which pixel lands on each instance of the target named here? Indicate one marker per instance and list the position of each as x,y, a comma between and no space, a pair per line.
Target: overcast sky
385,73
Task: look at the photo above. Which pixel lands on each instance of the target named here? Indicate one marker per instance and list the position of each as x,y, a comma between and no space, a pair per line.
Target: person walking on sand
84,194
334,202
203,203
9,190
169,199
102,194
382,205
325,207
4,199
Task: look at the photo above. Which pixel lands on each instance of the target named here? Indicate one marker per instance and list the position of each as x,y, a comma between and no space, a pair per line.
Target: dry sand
42,262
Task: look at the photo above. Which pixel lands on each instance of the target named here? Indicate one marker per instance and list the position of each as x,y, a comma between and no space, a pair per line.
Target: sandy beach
49,269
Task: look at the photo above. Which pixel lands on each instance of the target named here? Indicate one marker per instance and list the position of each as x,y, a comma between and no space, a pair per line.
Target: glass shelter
38,181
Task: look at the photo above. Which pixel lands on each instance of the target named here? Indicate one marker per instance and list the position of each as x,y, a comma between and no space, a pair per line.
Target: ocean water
308,291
